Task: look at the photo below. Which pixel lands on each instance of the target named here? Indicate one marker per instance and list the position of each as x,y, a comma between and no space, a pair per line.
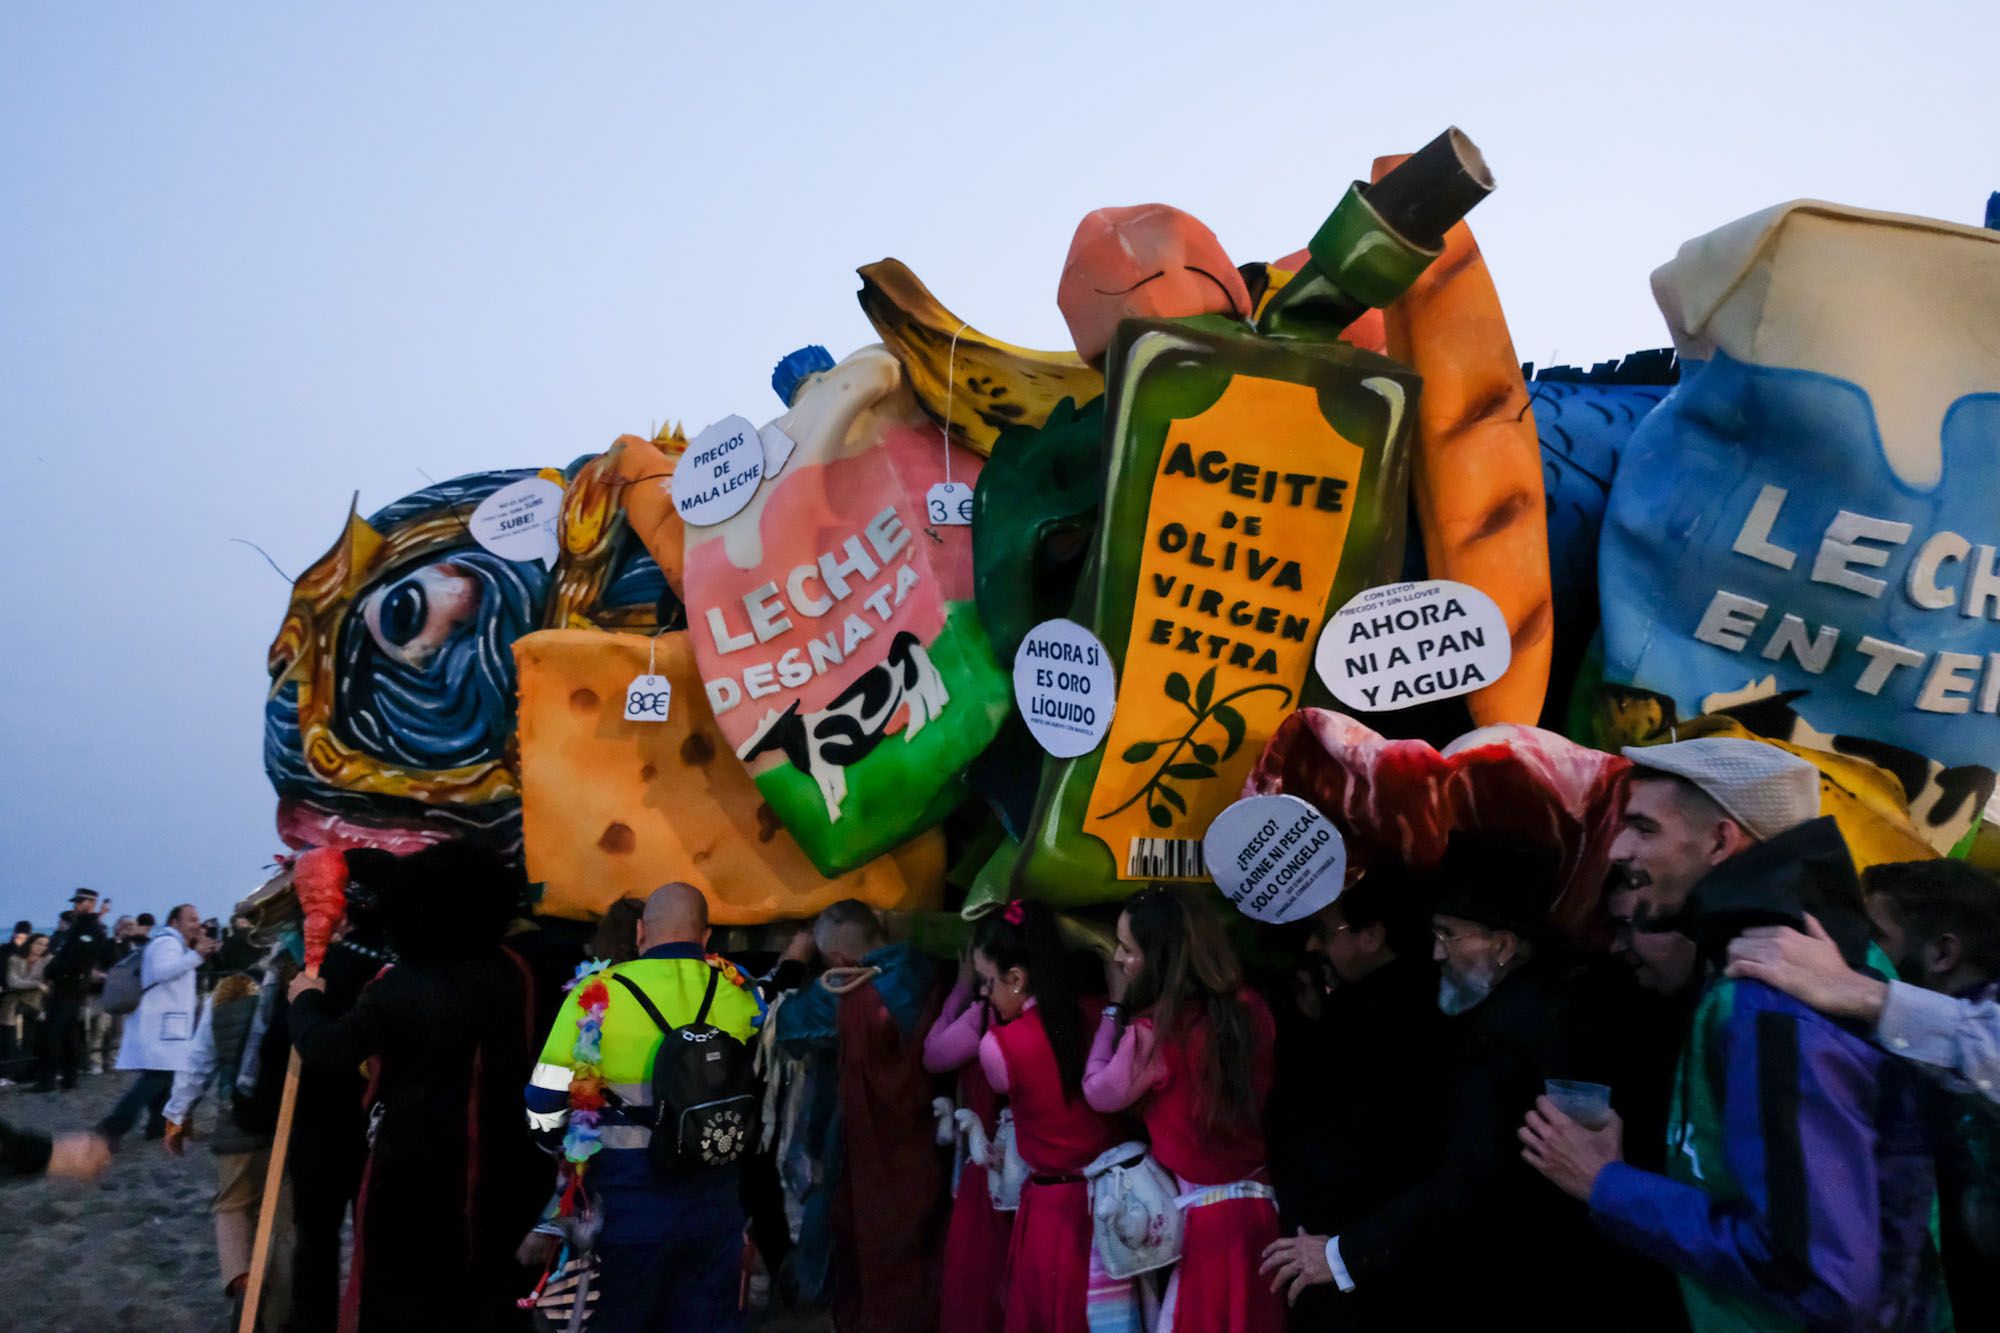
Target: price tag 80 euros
647,699
949,504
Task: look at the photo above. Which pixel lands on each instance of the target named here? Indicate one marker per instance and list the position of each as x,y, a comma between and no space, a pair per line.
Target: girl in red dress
1191,1047
1033,1053
975,1244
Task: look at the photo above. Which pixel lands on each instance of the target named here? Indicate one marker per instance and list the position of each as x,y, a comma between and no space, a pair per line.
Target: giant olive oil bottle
1255,480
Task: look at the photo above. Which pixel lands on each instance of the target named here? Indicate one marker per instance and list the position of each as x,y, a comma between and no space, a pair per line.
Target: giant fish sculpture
390,721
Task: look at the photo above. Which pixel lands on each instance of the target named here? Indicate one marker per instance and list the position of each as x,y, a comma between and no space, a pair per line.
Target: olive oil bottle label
1245,526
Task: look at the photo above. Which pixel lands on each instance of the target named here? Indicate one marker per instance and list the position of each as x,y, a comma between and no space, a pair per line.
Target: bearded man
1518,1252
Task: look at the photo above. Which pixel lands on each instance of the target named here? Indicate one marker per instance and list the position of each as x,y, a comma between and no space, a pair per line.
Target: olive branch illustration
1158,793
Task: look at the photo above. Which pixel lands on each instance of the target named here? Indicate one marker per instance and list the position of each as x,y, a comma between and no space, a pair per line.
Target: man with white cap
1694,804
1799,1181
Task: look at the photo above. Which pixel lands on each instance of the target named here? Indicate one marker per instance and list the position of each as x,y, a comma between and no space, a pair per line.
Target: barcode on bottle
1165,858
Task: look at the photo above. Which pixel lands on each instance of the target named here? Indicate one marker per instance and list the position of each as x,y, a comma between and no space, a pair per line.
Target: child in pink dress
975,1243
1192,1048
1033,1054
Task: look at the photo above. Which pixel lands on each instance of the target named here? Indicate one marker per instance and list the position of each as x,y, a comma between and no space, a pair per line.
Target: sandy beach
137,1249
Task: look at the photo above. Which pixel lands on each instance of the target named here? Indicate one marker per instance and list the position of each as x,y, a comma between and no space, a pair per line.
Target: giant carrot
1478,472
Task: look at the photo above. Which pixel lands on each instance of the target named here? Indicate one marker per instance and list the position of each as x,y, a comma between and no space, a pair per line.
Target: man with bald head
671,1244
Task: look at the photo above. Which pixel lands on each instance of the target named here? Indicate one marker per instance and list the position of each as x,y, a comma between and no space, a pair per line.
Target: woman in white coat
160,1033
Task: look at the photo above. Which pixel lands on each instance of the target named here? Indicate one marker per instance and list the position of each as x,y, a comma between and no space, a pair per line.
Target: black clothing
59,1041
454,1181
149,1093
1806,868
237,954
329,1138
1352,1109
551,962
74,954
23,1152
1966,1132
1353,1118
1481,1239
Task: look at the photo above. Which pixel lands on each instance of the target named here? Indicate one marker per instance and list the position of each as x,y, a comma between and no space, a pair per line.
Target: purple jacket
1799,1175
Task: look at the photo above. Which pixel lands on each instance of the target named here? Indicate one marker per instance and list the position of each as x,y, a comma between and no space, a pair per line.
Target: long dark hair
1189,972
617,937
1025,935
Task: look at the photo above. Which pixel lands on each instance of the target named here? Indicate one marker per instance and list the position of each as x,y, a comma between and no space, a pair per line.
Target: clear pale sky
254,259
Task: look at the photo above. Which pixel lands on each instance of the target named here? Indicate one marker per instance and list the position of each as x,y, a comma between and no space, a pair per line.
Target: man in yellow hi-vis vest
671,1244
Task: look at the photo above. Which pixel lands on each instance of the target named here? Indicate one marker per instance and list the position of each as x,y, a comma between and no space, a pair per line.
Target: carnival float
963,621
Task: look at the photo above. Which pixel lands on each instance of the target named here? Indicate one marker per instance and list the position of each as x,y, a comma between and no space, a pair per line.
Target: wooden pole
274,1181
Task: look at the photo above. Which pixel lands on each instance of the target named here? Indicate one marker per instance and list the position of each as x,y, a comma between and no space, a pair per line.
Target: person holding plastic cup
1517,1252
1798,1181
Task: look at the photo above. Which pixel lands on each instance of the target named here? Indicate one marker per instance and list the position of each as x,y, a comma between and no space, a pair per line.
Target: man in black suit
1477,1236
1353,1114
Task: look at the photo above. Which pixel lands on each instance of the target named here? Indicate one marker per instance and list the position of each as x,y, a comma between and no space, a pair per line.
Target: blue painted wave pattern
454,705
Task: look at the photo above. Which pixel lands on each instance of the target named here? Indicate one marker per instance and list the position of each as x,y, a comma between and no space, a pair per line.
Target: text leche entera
1853,543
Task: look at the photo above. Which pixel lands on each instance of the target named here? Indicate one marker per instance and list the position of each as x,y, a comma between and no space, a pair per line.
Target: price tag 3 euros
647,699
949,504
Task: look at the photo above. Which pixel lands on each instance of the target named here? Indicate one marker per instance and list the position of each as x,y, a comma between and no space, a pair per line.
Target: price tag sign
718,473
949,503
647,698
1276,857
1408,643
1064,687
518,521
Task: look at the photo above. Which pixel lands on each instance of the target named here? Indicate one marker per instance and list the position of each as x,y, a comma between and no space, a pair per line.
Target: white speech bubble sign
1276,858
518,521
718,472
1404,644
1064,687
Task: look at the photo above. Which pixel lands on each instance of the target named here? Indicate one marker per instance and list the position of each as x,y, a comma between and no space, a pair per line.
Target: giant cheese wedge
611,808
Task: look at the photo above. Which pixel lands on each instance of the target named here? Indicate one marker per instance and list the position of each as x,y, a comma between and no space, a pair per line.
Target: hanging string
950,383
652,643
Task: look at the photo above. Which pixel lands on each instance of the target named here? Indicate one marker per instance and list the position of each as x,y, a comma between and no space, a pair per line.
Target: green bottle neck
1358,261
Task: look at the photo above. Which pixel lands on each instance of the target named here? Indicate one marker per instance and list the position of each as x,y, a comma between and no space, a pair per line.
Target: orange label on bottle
1244,534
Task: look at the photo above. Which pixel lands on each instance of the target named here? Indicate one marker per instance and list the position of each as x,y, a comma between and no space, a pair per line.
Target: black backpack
704,1093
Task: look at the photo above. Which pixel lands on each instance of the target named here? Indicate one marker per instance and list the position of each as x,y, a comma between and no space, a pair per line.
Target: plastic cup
1589,1104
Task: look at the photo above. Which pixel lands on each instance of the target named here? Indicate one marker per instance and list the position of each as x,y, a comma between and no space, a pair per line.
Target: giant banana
991,383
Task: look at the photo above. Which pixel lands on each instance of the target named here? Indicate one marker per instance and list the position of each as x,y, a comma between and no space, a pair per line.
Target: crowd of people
1769,1103
54,1025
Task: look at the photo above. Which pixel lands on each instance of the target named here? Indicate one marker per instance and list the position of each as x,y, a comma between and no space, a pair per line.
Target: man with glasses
1477,1239
1354,1110
1798,1182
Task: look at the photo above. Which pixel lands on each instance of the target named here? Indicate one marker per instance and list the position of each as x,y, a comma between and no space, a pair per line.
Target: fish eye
412,618
403,612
